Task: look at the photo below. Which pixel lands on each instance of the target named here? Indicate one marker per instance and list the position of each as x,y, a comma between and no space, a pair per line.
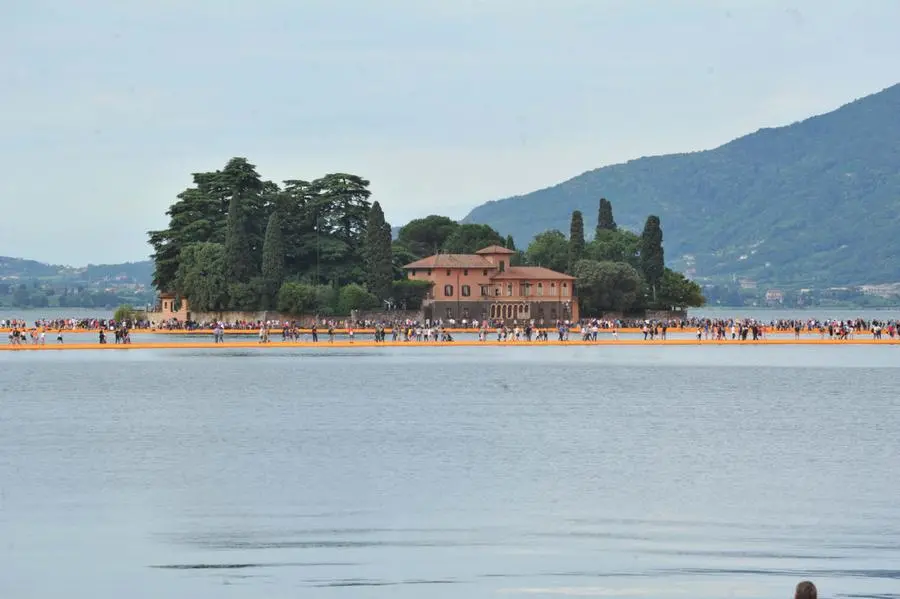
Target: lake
444,472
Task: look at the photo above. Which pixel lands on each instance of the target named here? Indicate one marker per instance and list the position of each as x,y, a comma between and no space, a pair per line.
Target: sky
107,107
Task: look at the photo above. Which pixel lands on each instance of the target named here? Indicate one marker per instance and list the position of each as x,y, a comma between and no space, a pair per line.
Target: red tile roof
530,272
494,249
452,261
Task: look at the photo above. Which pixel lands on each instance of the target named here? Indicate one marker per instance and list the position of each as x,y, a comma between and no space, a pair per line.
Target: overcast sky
106,107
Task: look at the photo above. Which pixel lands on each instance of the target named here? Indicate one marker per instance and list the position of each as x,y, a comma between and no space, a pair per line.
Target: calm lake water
450,472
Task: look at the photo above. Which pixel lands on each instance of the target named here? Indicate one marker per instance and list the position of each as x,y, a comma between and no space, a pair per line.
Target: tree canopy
236,241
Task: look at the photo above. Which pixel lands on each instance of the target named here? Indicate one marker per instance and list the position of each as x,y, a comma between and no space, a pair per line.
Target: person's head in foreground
806,590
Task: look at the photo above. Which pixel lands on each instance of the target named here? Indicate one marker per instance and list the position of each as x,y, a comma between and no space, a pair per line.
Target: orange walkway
324,331
371,344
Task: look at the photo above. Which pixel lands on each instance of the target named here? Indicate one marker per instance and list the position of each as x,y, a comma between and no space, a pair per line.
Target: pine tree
576,239
272,260
605,220
377,253
238,245
652,259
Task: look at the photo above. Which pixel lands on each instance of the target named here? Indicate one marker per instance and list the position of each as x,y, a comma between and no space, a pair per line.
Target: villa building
483,286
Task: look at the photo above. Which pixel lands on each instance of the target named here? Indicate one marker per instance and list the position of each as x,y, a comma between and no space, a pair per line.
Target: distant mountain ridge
813,203
140,272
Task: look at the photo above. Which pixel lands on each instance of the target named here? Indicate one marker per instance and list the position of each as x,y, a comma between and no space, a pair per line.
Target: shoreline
371,331
411,344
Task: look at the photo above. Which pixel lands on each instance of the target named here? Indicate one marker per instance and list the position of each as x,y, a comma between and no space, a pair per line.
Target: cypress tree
377,253
238,245
605,221
272,260
510,244
576,239
652,260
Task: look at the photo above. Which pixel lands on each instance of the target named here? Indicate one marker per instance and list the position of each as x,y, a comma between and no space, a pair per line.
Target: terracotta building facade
483,286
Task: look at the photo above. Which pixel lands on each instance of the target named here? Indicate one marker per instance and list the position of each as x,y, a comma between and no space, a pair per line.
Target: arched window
565,289
540,289
509,290
552,288
465,290
448,290
493,311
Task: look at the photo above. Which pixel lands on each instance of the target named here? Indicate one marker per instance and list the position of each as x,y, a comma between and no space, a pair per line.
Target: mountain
140,273
815,203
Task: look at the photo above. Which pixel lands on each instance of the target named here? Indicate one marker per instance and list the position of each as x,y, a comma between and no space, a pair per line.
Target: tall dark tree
510,243
241,266
605,220
340,205
272,261
576,240
653,265
377,254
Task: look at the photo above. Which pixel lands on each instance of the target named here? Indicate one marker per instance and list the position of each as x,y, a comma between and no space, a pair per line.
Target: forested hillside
814,203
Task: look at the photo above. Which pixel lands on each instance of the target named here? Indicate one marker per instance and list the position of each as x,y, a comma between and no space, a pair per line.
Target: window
540,289
466,272
565,289
552,288
484,291
509,290
466,290
465,313
493,311
524,289
502,266
497,291
448,272
484,272
449,312
429,272
412,273
448,290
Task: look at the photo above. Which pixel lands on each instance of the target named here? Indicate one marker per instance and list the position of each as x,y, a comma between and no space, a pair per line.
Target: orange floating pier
369,331
209,345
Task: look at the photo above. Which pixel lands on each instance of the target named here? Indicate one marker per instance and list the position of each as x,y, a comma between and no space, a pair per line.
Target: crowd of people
36,332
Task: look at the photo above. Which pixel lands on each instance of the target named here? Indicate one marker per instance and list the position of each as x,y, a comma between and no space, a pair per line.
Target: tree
652,260
677,292
576,240
401,255
272,261
607,286
298,298
124,312
605,220
510,243
615,246
340,204
425,236
355,297
409,294
238,247
201,276
21,296
377,254
469,238
549,249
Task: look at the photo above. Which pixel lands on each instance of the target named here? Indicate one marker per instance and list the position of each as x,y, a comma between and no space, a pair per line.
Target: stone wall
387,316
305,321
